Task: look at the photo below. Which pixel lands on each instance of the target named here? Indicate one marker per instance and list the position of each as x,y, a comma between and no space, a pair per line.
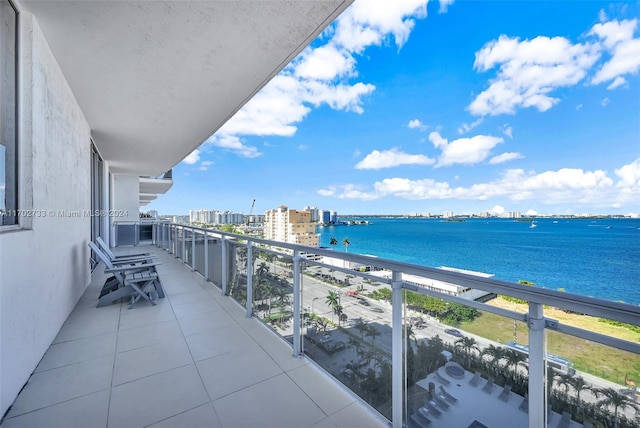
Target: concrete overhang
155,79
155,185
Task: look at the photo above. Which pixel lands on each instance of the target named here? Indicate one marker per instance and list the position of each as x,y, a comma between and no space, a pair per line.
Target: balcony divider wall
246,267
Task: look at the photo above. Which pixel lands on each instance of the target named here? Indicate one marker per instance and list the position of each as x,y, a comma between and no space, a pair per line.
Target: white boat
533,225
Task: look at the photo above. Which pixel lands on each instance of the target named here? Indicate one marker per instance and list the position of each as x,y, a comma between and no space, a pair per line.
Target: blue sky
468,106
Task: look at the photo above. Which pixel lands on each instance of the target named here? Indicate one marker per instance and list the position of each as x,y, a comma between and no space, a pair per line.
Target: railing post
296,304
537,370
396,349
249,279
206,256
223,267
170,239
193,250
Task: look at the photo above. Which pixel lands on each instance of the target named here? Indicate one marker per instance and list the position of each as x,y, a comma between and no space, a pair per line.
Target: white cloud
322,75
497,210
508,131
444,5
531,213
463,150
629,176
579,106
303,147
505,157
618,81
563,186
466,127
325,63
605,102
192,158
391,158
234,145
370,22
204,165
417,124
528,71
617,38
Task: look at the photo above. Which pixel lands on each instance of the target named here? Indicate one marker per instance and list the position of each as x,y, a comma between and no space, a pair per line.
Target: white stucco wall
44,269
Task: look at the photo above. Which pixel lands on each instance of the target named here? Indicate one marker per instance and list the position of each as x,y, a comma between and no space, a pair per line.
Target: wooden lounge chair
524,405
440,401
133,280
488,387
475,380
505,394
431,407
565,421
448,396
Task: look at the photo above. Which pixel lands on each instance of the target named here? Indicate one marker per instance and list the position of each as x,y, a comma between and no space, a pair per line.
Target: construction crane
253,204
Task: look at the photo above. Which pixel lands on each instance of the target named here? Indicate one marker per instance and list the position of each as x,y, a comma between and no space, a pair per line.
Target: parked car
453,332
363,302
378,310
325,339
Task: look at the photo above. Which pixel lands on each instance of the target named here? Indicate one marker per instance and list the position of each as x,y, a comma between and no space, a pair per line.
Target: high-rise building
288,225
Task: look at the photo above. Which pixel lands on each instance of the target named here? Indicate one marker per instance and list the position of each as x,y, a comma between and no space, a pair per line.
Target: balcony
195,359
343,333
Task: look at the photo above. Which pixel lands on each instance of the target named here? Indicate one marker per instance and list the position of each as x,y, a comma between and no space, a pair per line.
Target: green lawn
600,360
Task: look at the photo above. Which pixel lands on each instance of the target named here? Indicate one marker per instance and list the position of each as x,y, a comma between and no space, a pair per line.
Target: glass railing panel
237,281
188,254
273,291
215,260
198,256
146,232
347,332
459,370
589,381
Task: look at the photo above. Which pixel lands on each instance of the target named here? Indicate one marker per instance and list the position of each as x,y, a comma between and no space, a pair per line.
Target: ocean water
599,258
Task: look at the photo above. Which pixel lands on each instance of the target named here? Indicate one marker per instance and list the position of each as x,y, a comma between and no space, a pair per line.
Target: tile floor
194,360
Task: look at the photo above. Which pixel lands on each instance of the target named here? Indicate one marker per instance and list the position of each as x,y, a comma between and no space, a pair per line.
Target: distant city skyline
456,106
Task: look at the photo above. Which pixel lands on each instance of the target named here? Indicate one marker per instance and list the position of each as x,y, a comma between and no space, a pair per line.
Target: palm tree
563,380
496,353
339,311
513,358
362,327
615,399
262,270
333,242
373,332
332,301
468,344
579,384
346,244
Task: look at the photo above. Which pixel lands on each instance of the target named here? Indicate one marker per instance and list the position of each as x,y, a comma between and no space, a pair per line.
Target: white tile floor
194,360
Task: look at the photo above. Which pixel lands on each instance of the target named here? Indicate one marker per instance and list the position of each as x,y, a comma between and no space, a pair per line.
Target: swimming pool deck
474,405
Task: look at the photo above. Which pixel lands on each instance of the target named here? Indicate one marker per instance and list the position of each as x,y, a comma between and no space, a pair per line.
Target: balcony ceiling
156,79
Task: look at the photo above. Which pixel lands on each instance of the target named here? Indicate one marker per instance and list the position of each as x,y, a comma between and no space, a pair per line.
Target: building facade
288,225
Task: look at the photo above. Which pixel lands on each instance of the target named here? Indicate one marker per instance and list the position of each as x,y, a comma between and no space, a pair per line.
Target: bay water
599,258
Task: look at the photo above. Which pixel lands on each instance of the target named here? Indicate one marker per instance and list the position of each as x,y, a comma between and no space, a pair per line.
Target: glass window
8,118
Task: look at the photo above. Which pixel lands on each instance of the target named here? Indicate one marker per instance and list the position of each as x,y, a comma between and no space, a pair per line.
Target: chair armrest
131,267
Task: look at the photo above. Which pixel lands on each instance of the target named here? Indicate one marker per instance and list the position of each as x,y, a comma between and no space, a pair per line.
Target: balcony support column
397,362
193,250
223,267
537,372
249,279
170,240
206,256
296,305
